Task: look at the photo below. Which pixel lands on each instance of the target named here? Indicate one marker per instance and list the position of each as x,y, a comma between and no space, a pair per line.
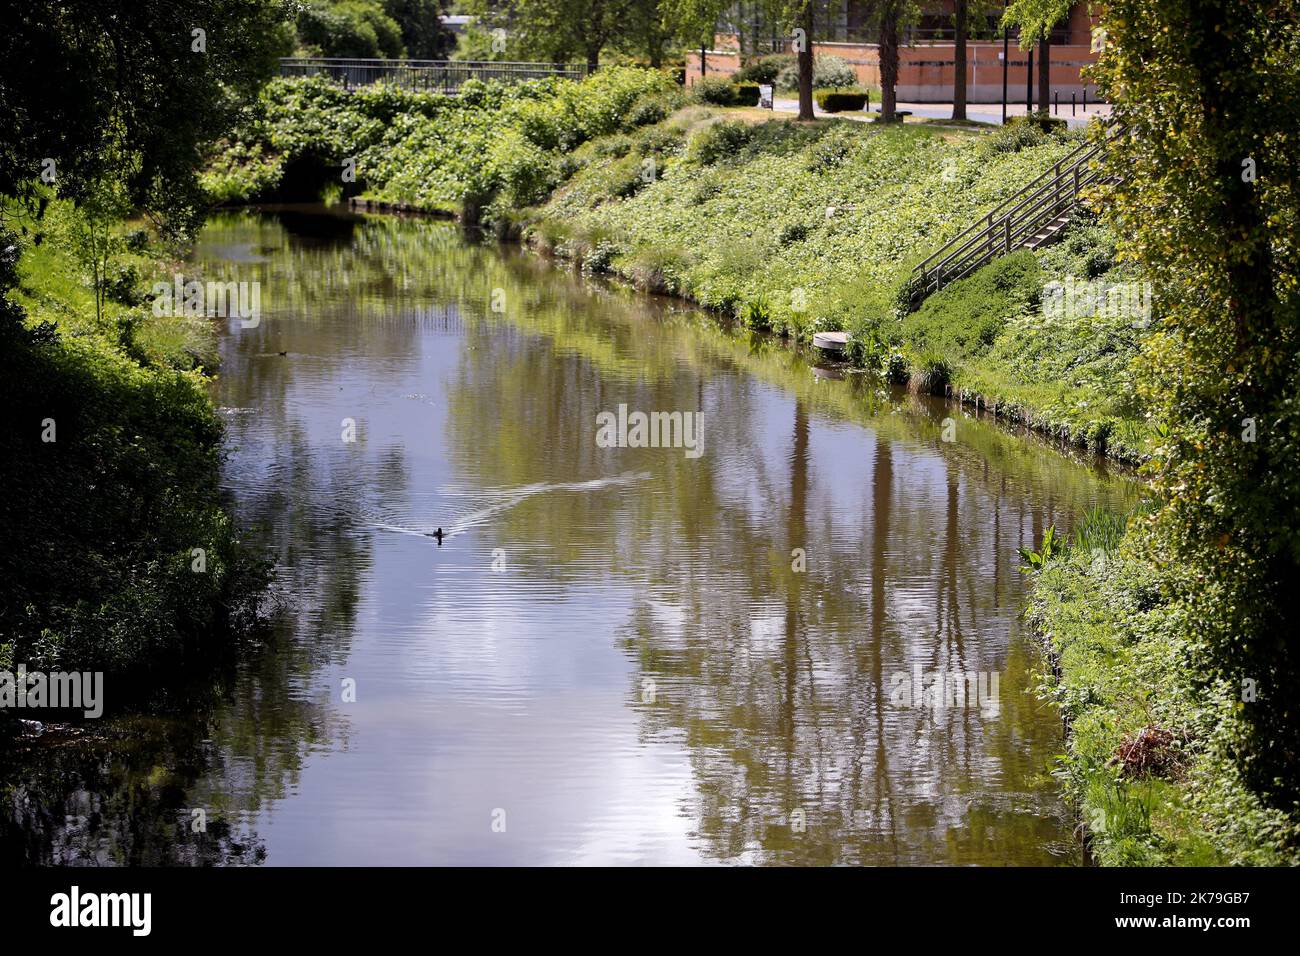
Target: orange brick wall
926,71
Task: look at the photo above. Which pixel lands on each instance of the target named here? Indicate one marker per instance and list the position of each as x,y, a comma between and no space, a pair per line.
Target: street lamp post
1005,38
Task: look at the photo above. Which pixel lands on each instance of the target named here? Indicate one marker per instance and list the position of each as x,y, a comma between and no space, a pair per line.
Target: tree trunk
1045,74
888,65
704,59
959,63
593,60
806,63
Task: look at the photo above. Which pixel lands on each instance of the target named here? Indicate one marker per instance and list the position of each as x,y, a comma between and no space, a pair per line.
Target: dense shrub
764,69
841,100
1043,121
655,107
714,90
793,232
425,149
1012,137
349,29
719,141
828,71
721,91
102,521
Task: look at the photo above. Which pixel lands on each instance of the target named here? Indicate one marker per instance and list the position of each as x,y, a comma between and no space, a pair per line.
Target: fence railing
1027,219
443,76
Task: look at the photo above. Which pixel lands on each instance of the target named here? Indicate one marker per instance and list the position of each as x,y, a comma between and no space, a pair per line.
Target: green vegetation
841,99
1146,759
371,28
110,471
1208,207
824,222
117,555
721,91
810,226
1175,636
1172,630
781,71
492,149
568,31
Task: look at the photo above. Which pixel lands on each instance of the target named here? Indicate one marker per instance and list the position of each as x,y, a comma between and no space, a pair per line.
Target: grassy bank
1148,756
799,228
118,555
788,227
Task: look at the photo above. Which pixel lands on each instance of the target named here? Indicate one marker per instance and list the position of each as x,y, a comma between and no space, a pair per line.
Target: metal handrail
996,210
1013,221
447,75
1045,197
381,61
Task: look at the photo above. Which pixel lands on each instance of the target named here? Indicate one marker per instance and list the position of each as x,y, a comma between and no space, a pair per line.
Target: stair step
983,240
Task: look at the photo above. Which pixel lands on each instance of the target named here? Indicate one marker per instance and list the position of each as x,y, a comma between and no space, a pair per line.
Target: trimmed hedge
721,91
746,94
840,100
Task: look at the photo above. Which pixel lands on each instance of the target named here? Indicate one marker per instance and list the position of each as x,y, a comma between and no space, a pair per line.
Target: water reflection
616,654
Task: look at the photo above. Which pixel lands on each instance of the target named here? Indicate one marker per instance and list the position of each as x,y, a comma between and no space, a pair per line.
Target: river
646,655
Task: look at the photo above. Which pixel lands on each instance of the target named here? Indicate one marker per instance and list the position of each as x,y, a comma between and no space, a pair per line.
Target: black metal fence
443,76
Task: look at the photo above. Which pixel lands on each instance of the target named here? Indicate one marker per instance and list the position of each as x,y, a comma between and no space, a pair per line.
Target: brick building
926,60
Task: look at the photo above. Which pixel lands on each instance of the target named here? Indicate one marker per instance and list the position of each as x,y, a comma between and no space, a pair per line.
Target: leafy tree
350,28
557,30
801,12
647,33
798,16
693,23
890,17
962,12
95,239
478,45
423,33
1036,18
1209,203
127,90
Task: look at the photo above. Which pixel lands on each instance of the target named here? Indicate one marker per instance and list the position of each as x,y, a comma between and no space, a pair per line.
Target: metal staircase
1030,219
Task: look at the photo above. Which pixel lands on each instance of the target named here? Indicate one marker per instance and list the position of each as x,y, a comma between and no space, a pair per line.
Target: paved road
978,112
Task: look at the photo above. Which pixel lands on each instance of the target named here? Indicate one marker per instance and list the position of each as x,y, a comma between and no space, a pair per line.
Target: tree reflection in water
768,682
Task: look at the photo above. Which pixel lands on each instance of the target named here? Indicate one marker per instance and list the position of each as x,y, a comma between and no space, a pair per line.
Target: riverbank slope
1147,760
787,227
119,556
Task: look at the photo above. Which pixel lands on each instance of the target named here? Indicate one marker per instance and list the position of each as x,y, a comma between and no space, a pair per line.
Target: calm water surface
609,658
